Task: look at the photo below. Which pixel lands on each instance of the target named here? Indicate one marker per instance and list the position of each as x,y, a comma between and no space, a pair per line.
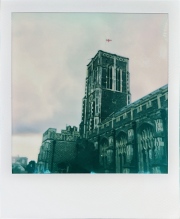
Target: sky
50,52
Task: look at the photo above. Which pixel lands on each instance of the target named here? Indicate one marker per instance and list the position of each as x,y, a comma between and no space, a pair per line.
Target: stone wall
134,140
57,149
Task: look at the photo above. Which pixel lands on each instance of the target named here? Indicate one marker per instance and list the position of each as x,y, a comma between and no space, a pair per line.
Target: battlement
108,55
69,134
142,107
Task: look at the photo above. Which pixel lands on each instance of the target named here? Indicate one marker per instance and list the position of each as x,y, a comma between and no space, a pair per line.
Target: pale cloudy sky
50,52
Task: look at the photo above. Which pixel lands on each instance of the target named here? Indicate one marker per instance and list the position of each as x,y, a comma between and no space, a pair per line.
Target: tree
31,167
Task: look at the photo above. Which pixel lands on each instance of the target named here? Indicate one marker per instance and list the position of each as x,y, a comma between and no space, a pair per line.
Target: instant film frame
43,88
90,196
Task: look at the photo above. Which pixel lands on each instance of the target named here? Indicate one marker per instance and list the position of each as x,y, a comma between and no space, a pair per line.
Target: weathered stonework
140,136
107,89
57,149
132,137
115,136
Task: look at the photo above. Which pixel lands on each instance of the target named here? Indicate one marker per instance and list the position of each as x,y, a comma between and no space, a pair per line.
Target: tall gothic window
121,148
103,152
146,146
117,79
104,78
109,78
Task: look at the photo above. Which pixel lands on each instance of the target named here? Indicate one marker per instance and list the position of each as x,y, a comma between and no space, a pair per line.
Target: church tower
107,89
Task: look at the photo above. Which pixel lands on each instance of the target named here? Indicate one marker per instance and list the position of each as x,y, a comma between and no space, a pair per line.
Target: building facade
129,138
107,89
57,149
115,135
135,139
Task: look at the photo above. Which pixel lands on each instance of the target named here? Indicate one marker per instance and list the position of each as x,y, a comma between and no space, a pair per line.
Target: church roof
137,102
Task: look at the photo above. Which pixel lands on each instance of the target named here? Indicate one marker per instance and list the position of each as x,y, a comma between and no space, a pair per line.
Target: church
115,135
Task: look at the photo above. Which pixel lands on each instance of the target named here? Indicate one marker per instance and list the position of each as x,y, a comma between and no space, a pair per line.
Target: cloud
50,52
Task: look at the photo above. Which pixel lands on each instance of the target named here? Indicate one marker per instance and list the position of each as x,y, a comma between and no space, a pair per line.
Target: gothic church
124,137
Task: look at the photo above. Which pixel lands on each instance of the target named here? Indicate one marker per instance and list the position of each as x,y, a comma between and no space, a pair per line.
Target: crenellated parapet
134,139
57,148
115,135
107,89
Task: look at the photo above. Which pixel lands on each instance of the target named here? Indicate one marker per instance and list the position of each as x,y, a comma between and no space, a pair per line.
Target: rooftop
114,114
108,53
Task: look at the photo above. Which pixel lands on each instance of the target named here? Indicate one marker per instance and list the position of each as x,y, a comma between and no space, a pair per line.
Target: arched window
109,78
104,78
146,148
121,149
103,152
118,79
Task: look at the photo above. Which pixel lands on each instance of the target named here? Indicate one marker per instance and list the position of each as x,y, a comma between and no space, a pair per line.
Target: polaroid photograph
88,96
114,101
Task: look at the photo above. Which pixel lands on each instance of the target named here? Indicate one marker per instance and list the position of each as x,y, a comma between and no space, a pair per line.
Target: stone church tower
107,89
116,136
